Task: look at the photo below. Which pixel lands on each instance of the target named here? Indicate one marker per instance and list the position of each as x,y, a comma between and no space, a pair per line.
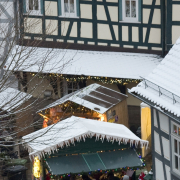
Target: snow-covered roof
81,62
73,129
11,98
162,85
94,97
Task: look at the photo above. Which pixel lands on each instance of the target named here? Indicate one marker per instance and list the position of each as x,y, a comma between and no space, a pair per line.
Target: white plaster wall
144,34
175,33
101,15
157,143
86,11
164,122
155,36
156,16
64,27
147,2
33,25
135,34
168,173
51,8
51,27
155,118
125,33
86,30
159,170
104,31
166,150
146,13
113,11
73,32
175,12
116,31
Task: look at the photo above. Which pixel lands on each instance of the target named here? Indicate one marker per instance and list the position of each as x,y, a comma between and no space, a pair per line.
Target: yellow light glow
146,128
102,118
36,167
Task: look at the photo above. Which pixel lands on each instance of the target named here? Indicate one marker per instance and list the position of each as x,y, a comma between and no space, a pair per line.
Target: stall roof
162,86
81,62
93,161
73,129
11,98
95,97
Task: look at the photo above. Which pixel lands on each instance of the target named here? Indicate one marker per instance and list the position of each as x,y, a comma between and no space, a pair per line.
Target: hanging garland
104,80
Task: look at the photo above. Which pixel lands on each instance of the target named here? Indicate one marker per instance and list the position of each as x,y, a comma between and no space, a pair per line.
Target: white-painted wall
159,175
164,122
157,143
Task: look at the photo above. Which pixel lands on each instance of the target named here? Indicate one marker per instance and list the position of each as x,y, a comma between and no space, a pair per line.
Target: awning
74,129
95,161
79,62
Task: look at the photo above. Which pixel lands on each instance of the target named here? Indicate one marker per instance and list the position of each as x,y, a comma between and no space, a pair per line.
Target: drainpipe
163,26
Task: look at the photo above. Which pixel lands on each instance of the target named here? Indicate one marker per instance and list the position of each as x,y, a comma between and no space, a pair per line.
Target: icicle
120,139
97,137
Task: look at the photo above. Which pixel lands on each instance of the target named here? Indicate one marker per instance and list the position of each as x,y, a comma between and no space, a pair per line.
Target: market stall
78,145
93,102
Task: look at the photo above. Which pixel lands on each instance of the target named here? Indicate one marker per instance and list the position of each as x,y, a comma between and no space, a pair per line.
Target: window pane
179,131
66,6
127,7
175,129
175,146
179,148
176,162
30,4
71,6
133,8
36,5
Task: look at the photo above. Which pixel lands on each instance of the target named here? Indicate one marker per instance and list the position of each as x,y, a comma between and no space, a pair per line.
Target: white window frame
71,15
130,19
175,136
65,87
33,12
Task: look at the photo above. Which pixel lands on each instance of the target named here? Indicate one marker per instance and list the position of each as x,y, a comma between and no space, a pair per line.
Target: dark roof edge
63,45
151,104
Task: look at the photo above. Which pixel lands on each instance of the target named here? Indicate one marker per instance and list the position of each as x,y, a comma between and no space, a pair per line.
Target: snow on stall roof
81,62
166,77
73,129
94,97
11,98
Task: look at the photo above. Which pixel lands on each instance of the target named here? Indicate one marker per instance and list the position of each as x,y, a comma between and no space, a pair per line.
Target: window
130,10
33,7
69,87
176,147
69,8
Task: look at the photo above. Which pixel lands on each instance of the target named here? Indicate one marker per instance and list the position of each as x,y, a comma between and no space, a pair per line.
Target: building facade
161,92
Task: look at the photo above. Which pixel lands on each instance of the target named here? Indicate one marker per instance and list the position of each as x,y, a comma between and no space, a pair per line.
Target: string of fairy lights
76,78
91,173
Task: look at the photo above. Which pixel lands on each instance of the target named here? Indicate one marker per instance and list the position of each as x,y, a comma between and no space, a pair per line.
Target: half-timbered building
89,28
160,90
